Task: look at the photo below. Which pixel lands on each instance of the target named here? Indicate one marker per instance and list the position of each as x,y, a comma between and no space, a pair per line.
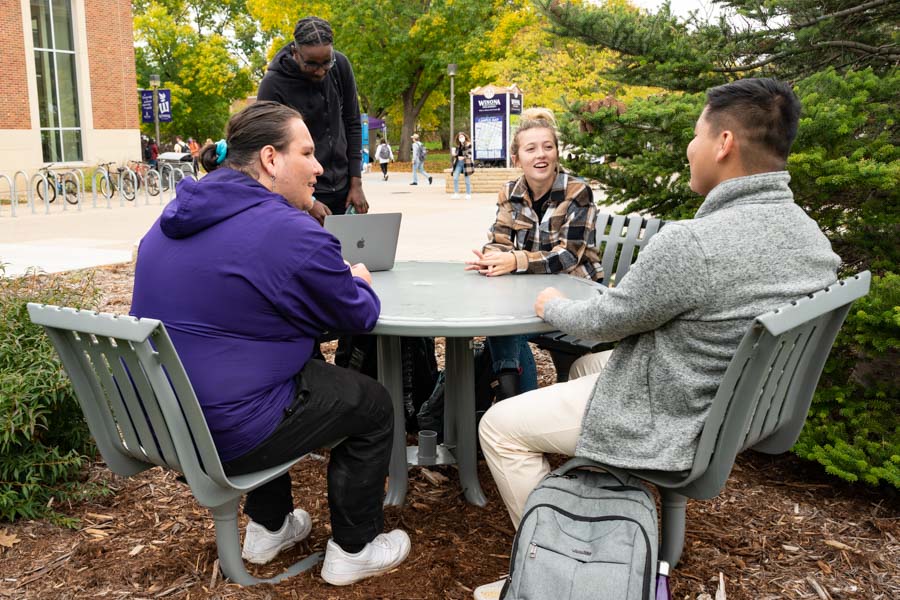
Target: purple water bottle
662,581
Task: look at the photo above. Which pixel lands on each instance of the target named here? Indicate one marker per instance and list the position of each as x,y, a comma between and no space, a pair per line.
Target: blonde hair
534,118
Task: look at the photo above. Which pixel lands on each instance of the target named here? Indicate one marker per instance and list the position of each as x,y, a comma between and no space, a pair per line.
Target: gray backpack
585,534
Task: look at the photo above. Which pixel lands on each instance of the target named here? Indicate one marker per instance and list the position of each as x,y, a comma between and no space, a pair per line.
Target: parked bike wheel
51,189
152,184
127,184
106,187
71,190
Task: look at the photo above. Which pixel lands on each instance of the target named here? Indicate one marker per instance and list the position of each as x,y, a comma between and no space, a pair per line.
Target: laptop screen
370,239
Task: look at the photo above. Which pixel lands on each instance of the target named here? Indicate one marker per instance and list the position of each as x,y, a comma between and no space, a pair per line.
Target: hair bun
539,114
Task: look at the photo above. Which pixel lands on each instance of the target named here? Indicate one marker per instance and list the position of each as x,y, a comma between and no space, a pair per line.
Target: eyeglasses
314,66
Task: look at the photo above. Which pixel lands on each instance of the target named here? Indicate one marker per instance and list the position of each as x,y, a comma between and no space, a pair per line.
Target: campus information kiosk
495,112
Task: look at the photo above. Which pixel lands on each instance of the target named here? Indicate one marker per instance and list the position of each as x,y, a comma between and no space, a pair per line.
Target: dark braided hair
313,31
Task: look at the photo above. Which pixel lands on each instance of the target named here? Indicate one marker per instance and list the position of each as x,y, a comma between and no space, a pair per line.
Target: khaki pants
516,432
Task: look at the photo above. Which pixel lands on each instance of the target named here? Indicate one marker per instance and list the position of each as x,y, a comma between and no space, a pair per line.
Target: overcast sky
681,7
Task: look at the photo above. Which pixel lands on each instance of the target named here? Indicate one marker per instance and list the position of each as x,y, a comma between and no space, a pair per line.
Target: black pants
336,201
330,403
384,167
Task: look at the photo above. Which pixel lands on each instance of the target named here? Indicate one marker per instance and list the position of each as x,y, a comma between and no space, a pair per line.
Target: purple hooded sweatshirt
244,283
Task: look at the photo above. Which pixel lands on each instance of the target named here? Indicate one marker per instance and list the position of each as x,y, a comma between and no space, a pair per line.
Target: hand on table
546,295
492,264
319,211
360,270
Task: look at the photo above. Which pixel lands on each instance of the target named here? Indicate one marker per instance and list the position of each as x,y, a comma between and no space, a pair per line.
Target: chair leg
674,507
228,543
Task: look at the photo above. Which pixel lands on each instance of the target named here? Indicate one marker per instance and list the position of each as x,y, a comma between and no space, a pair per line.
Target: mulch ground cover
780,529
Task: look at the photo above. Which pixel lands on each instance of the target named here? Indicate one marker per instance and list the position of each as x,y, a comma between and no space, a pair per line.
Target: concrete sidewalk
434,227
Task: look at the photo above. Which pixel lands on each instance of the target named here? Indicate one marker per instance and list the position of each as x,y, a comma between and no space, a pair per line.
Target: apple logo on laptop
361,243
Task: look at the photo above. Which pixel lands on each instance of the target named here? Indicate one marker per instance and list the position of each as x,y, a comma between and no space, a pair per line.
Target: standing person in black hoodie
317,80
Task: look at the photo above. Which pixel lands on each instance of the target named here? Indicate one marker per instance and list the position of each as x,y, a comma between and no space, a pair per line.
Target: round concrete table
442,299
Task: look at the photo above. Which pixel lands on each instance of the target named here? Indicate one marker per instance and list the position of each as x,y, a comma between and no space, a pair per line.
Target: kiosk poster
489,126
515,111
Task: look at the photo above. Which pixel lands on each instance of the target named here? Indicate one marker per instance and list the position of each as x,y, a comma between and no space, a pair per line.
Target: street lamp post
451,71
154,83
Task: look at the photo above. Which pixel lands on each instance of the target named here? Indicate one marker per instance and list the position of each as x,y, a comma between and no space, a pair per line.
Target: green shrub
44,441
853,428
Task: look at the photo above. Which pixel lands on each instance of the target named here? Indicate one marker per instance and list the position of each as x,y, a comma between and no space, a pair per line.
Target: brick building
69,85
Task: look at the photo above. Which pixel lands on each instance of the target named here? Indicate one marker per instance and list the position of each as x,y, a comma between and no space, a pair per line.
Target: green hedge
44,441
853,428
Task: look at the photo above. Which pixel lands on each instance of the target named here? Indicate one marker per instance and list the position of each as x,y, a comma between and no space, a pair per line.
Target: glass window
46,76
57,83
62,25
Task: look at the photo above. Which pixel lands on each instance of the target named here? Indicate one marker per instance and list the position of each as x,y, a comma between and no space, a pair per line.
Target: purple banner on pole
147,106
489,126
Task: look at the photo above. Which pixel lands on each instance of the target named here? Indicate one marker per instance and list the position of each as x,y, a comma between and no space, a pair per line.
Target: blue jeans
513,352
460,165
419,166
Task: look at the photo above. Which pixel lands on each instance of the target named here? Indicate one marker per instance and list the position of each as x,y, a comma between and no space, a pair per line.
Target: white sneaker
489,591
468,196
379,556
262,545
454,197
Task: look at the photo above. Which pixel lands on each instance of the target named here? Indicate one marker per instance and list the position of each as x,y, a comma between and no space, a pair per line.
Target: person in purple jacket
244,280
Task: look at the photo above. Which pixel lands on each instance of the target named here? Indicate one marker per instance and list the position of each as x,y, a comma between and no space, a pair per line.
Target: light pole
451,71
154,83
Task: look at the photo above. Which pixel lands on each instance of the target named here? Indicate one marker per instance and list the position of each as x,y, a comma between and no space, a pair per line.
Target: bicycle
142,170
57,183
117,179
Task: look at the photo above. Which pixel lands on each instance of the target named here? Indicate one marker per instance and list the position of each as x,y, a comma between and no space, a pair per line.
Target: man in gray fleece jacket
681,312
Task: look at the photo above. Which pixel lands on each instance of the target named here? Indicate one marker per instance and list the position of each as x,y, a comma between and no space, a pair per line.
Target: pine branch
886,50
761,63
840,13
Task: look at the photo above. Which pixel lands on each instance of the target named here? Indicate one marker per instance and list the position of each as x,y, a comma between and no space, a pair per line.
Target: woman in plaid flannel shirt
545,224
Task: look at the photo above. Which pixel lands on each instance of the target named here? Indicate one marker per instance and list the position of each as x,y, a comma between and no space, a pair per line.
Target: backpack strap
579,462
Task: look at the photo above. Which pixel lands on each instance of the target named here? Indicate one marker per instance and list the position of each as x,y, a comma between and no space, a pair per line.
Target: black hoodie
331,110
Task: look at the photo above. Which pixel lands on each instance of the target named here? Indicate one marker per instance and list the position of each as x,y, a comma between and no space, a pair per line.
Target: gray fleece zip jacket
681,313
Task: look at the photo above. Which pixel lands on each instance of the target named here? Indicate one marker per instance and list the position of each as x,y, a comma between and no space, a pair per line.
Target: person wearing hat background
312,77
418,160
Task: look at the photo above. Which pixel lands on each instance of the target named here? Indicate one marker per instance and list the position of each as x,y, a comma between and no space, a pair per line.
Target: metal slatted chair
142,412
619,239
762,401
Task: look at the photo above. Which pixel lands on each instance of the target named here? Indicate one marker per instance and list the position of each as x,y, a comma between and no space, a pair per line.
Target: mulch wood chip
780,529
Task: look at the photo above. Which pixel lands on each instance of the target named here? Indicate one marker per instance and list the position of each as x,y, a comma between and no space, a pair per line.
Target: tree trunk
412,106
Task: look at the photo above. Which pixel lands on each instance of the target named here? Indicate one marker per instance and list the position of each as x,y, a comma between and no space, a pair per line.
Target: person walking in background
384,155
317,80
418,160
194,149
180,147
462,163
154,154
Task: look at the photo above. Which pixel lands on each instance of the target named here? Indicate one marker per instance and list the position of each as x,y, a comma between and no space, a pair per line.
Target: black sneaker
429,180
414,183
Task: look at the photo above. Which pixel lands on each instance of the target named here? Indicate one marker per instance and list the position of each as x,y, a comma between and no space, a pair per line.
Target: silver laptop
370,239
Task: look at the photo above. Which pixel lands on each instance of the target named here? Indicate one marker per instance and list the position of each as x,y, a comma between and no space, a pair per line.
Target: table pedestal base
459,417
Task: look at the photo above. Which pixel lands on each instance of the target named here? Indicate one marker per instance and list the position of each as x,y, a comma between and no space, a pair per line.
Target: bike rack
153,173
79,186
103,172
29,193
42,177
134,180
13,199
